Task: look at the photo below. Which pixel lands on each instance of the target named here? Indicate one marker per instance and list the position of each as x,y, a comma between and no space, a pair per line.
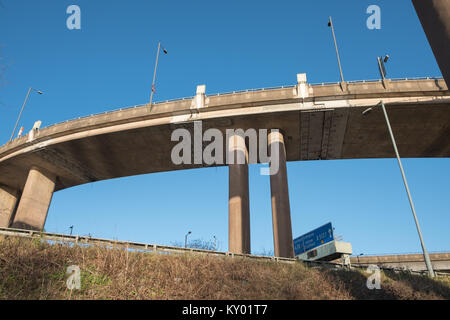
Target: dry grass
30,269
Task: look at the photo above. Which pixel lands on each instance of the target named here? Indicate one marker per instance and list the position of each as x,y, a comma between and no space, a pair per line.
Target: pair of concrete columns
27,210
239,206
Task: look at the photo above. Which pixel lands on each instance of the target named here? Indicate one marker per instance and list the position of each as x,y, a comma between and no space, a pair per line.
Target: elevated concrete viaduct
322,121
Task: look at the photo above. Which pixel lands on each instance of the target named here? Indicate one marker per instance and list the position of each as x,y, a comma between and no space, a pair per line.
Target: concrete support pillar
238,203
35,201
434,16
8,201
281,211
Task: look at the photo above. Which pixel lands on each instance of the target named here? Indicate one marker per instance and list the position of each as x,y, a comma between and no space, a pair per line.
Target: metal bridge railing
399,254
246,91
161,249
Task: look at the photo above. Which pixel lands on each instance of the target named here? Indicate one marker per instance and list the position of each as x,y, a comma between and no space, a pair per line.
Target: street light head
37,91
165,51
386,58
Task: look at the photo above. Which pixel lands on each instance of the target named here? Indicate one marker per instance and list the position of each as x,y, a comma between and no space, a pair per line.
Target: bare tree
264,252
197,244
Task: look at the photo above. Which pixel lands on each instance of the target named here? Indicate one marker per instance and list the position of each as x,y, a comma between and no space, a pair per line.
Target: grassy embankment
30,269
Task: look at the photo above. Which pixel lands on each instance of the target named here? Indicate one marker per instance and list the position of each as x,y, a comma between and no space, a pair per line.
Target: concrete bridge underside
316,122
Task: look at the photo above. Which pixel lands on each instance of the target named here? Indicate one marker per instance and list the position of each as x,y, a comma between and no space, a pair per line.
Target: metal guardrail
86,240
396,254
161,249
246,91
251,90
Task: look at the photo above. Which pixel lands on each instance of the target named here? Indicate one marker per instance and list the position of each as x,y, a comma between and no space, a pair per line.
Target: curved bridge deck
325,123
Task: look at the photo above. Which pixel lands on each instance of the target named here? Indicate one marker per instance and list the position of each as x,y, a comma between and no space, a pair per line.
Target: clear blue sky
227,45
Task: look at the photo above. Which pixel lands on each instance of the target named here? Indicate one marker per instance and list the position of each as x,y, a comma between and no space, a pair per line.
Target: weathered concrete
435,18
318,121
281,211
8,202
137,141
35,200
238,205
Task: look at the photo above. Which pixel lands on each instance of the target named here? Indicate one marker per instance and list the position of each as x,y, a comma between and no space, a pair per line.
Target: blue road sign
313,239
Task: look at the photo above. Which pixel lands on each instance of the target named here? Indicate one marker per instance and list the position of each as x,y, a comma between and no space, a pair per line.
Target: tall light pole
330,24
425,253
154,74
185,238
381,62
21,110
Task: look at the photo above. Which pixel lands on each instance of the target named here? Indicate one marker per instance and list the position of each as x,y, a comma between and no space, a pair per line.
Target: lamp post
425,253
359,255
185,239
330,24
21,110
154,74
381,62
